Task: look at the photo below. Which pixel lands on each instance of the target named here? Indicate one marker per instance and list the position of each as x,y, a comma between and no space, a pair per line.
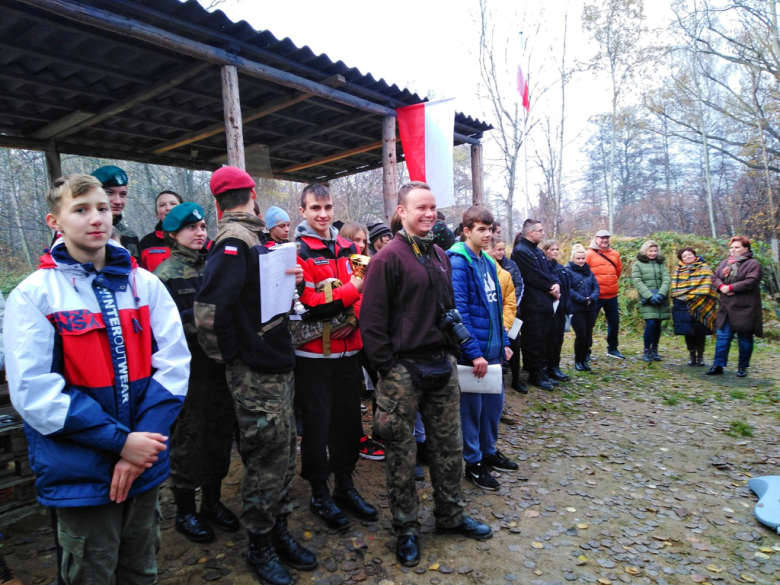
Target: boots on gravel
213,510
290,550
188,522
347,497
263,558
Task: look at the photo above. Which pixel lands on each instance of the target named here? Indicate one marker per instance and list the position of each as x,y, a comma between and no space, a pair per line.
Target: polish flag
522,88
427,135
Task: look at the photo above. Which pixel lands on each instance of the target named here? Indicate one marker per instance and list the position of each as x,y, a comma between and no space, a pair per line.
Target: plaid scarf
693,284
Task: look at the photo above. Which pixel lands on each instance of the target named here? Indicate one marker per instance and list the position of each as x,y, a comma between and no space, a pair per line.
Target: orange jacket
607,273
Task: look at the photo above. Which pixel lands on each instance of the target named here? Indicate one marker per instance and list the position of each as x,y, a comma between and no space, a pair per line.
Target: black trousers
583,324
696,343
555,339
533,339
514,361
328,393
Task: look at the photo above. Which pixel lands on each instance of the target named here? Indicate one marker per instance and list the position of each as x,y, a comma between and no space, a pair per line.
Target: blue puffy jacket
488,337
582,284
91,357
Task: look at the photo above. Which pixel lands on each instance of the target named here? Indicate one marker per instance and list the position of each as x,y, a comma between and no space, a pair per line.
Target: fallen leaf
631,570
570,509
604,581
581,560
747,578
760,555
537,572
307,535
433,567
714,568
767,550
537,544
582,526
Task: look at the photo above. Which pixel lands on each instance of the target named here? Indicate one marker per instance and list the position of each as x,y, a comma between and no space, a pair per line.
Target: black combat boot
289,550
188,522
213,510
538,379
407,550
555,373
263,558
692,361
322,505
346,496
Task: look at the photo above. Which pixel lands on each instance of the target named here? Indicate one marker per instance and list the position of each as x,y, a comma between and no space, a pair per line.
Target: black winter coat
564,307
684,323
582,284
535,270
517,279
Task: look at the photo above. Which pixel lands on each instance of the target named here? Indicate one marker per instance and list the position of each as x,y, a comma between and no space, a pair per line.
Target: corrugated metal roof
57,71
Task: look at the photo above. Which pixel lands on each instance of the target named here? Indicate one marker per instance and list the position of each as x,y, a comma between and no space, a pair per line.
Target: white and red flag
427,135
522,88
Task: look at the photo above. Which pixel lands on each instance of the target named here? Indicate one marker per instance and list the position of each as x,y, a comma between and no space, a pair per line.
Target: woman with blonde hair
584,291
358,233
652,282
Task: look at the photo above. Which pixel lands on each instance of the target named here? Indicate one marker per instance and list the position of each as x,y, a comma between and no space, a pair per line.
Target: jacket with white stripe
92,356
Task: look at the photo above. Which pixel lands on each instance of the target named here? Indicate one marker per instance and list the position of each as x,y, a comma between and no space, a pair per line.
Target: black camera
452,324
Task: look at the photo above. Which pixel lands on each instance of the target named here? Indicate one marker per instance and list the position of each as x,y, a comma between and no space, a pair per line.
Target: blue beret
182,215
111,176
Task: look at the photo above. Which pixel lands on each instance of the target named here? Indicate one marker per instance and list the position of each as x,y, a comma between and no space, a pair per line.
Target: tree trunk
705,147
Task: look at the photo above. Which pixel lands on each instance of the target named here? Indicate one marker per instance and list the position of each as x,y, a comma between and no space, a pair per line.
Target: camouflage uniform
268,445
202,436
398,401
260,361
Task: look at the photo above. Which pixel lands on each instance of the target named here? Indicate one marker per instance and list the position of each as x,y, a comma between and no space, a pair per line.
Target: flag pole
525,134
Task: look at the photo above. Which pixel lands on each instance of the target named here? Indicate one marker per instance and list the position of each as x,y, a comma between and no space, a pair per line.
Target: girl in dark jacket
738,280
584,289
499,253
694,303
555,340
202,436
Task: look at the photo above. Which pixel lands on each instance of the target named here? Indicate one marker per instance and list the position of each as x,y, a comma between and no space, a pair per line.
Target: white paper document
555,306
277,288
490,383
515,330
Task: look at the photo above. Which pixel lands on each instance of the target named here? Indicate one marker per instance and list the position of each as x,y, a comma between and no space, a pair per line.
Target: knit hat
229,178
110,176
376,231
274,216
182,215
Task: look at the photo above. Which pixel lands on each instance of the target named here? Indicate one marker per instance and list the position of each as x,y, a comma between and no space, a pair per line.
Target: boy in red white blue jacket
98,367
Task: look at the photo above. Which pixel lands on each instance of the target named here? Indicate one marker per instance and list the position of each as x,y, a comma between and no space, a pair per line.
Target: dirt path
636,474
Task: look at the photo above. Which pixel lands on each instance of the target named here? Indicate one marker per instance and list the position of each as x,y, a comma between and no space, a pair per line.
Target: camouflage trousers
398,401
268,444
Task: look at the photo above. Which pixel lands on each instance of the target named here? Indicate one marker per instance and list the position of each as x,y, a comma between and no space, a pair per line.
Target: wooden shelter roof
140,80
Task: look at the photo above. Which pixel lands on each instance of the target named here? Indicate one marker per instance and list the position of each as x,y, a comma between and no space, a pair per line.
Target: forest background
688,140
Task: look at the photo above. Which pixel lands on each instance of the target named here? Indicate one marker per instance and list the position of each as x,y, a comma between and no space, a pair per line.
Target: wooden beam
67,121
389,188
332,157
234,128
53,165
102,151
266,109
172,78
477,185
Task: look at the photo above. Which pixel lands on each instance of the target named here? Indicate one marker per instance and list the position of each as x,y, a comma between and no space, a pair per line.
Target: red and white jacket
92,356
321,260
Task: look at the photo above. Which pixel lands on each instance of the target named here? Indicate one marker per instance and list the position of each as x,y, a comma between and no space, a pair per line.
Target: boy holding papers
478,299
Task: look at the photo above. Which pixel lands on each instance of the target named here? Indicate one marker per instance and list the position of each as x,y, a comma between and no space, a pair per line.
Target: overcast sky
432,46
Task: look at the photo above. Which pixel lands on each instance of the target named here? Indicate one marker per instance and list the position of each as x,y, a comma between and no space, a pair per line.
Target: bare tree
618,28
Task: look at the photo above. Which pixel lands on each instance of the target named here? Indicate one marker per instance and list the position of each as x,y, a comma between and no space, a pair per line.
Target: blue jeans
480,415
723,344
419,430
652,333
612,315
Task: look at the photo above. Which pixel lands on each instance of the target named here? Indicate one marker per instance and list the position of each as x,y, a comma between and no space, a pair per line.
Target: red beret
227,178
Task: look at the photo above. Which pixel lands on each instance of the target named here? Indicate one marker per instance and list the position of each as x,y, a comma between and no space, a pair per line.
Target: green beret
182,215
111,176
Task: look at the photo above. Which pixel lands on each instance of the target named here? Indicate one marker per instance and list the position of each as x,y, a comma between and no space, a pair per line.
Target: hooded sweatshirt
323,259
478,300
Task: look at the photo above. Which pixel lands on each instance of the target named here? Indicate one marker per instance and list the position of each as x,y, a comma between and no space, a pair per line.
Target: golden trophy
359,264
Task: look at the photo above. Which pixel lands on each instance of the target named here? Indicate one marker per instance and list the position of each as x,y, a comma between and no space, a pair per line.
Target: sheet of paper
491,383
555,306
515,330
277,288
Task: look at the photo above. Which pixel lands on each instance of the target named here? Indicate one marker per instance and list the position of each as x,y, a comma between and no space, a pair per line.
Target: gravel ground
634,473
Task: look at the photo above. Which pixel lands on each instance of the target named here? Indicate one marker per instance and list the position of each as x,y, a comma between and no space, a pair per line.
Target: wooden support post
233,128
477,184
53,165
389,162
